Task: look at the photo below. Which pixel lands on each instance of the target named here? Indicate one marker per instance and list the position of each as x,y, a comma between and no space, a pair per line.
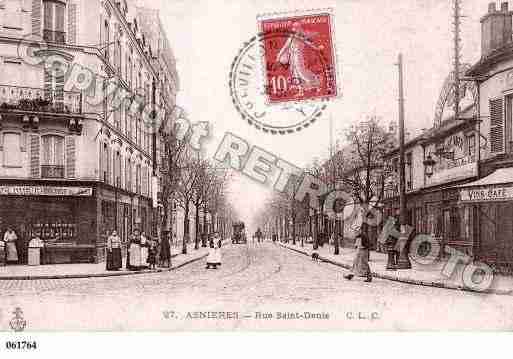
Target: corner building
73,165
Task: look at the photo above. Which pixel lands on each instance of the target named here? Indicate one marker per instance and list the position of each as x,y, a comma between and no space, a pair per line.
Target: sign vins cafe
499,193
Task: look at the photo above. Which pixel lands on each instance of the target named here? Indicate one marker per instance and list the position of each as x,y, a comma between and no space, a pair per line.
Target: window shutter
72,23
34,156
496,126
70,156
36,17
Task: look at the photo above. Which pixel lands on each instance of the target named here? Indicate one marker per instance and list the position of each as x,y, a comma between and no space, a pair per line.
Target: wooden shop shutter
36,17
72,23
70,156
496,126
35,147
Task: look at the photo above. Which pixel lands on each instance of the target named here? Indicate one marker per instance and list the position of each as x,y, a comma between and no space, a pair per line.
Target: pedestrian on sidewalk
165,250
114,261
11,255
145,247
361,261
152,254
133,261
2,253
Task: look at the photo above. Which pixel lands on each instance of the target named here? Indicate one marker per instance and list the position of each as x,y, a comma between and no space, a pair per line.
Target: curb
100,275
408,280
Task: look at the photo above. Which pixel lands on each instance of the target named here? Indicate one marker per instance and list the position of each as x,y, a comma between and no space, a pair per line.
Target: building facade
77,81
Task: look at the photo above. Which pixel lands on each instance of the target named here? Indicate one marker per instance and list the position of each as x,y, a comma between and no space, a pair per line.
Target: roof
499,176
494,57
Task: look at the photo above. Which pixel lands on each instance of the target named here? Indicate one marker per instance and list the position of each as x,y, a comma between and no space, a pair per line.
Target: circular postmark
277,95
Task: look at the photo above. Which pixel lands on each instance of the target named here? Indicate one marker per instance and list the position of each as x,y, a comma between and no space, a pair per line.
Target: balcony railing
52,171
58,37
40,100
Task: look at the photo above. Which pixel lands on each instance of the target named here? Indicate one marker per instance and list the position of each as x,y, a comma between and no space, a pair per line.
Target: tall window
128,175
52,161
107,40
53,21
12,19
12,150
105,163
138,179
117,170
409,171
471,145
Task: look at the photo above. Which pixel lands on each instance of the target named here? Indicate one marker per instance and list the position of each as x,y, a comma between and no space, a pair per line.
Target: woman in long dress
114,261
144,250
10,238
134,252
361,266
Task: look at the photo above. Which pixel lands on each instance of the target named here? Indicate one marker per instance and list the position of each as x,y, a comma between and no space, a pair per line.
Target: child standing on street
152,255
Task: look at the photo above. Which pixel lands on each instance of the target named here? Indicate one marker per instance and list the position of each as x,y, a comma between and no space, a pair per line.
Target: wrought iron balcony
52,171
58,37
39,100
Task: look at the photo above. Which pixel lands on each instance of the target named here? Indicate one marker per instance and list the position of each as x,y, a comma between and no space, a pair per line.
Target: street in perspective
256,166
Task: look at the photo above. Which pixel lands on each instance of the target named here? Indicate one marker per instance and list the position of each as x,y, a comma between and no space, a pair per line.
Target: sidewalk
87,270
426,275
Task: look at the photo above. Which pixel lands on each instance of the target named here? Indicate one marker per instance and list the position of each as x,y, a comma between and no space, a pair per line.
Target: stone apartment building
75,161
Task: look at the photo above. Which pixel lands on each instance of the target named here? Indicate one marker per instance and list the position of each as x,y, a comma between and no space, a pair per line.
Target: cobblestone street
254,284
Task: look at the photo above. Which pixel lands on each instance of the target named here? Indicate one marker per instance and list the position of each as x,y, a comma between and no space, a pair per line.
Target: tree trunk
204,234
294,229
196,225
185,229
316,231
336,231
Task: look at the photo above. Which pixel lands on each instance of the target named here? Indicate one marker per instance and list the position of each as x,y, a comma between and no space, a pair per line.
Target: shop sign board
7,190
486,194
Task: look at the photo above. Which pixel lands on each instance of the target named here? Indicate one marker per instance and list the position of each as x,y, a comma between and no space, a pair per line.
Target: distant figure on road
258,235
361,261
214,254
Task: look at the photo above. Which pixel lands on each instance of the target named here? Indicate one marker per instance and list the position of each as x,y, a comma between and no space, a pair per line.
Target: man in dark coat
165,250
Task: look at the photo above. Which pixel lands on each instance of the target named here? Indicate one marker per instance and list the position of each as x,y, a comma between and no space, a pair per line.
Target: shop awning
499,176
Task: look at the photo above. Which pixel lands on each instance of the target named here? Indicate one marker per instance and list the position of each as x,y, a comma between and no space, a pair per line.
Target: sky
369,34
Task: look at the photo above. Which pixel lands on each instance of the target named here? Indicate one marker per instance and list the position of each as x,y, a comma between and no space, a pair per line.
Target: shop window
53,21
52,161
12,149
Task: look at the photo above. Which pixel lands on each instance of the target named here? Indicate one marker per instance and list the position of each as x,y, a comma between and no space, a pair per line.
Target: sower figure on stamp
292,53
361,261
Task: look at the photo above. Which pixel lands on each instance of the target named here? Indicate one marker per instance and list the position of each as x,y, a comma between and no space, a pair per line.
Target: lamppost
403,261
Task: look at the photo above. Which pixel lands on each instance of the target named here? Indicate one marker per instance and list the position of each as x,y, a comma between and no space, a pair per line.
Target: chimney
496,31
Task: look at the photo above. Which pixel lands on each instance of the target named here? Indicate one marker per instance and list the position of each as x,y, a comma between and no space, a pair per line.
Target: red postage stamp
299,63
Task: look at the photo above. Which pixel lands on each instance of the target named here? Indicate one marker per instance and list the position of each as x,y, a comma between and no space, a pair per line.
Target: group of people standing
141,251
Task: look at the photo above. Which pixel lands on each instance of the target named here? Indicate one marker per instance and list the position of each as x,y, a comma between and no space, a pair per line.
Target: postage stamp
301,65
248,90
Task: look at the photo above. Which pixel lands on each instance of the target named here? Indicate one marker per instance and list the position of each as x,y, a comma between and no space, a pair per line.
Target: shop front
489,202
61,216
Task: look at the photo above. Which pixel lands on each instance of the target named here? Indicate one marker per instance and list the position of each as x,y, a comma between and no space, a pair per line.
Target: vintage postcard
227,165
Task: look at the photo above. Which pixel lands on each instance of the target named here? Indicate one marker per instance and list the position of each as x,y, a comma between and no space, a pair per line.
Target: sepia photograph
248,166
